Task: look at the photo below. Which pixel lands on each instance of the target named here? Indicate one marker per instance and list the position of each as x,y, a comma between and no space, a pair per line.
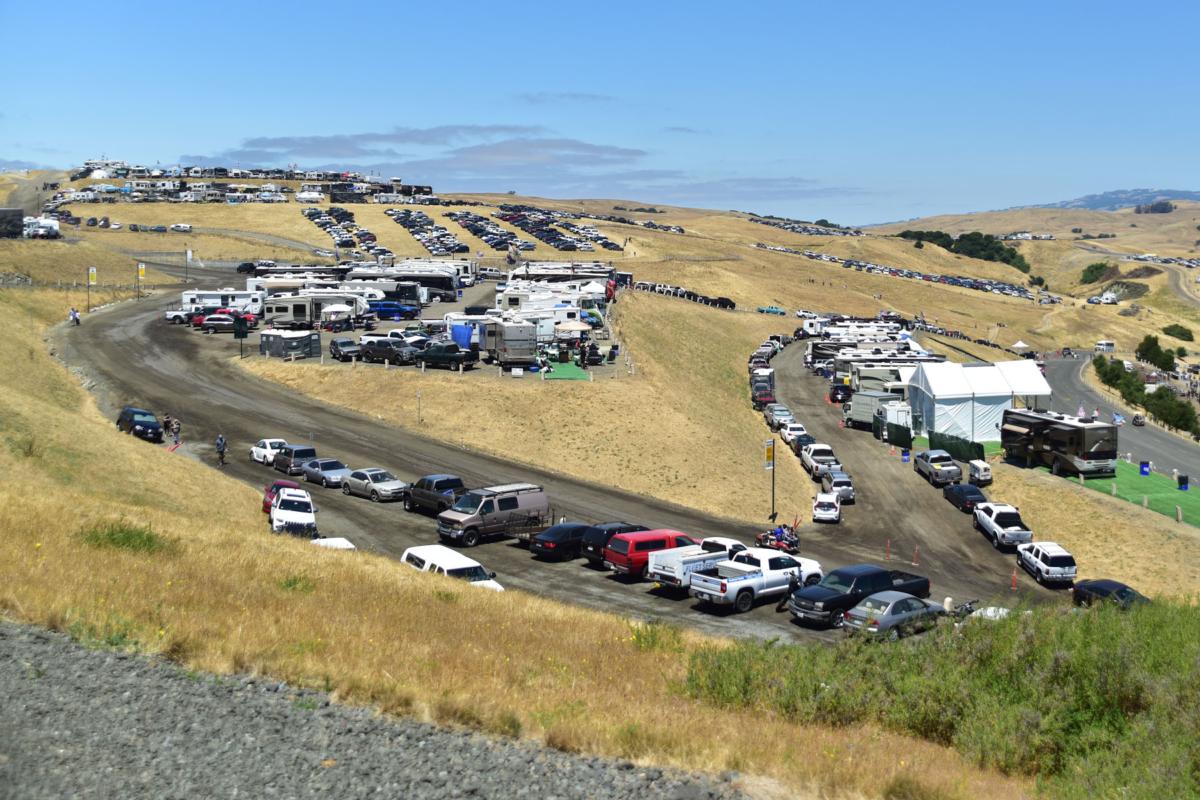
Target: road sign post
240,332
91,281
769,448
141,276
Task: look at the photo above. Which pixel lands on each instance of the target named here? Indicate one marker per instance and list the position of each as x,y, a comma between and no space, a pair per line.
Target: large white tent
968,400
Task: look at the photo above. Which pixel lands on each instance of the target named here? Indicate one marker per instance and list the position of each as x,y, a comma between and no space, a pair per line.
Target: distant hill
1121,198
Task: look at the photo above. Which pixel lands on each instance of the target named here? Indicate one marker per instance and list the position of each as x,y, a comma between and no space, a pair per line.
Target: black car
560,542
1103,590
595,539
344,349
246,268
801,441
133,226
840,393
140,423
964,496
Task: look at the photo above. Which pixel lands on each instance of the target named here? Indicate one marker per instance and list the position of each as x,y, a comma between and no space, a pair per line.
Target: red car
272,489
629,553
251,319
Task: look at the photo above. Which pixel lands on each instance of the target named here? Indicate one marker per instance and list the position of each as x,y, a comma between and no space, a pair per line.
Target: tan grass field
676,429
227,596
58,261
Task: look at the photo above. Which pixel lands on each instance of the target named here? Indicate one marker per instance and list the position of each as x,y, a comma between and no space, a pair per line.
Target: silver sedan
890,615
325,471
374,483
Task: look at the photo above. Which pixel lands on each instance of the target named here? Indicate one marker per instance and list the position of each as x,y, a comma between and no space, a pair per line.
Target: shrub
1060,695
974,245
1151,351
297,583
1094,272
1179,332
124,535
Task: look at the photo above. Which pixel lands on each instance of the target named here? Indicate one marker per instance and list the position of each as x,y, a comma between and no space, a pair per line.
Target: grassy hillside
139,559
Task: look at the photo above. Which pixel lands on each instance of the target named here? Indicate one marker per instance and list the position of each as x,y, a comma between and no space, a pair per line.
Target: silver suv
839,483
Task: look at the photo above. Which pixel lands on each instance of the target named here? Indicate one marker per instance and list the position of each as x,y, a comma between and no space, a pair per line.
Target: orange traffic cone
1014,579
916,562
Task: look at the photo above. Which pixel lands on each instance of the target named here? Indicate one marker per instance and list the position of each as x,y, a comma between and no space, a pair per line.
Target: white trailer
249,301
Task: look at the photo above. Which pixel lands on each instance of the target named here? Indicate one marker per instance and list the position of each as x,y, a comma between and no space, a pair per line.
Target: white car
791,430
1047,562
181,227
293,511
441,560
264,450
115,226
827,507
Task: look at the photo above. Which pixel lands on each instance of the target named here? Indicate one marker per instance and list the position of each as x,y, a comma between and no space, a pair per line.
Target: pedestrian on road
175,426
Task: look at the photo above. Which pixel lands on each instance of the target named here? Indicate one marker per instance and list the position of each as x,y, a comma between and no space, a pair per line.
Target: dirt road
135,358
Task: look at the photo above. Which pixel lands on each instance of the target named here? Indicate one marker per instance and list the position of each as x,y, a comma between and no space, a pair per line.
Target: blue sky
858,112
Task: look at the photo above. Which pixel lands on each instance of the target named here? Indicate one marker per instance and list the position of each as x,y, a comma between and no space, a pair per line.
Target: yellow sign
141,271
770,454
91,276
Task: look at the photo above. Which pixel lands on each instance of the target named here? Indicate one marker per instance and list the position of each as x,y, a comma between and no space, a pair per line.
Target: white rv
249,301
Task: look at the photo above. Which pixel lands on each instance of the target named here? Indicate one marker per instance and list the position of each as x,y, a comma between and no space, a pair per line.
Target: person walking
793,585
220,446
175,426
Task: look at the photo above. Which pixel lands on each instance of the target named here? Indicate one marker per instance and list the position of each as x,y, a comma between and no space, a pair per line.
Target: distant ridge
1120,198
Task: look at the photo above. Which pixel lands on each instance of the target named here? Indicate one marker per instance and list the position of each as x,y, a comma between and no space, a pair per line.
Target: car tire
470,537
893,635
408,505
346,489
812,580
325,482
1037,576
995,541
374,495
744,601
643,572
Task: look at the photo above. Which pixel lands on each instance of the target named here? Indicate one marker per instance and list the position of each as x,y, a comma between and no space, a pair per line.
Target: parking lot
130,358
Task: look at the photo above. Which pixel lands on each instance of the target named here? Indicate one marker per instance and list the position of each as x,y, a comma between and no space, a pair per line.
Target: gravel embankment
86,723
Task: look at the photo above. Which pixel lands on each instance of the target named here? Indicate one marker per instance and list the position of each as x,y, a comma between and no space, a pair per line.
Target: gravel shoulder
86,723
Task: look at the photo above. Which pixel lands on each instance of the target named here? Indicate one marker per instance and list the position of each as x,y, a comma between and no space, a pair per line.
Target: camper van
509,342
250,302
1105,346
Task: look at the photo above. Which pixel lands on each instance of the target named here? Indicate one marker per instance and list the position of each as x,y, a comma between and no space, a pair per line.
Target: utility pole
769,446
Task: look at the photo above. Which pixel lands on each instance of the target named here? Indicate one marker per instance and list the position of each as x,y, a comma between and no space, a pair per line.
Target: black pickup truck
842,589
447,354
393,351
434,493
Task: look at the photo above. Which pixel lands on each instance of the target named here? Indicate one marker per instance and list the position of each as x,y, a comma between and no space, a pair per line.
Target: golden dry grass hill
116,559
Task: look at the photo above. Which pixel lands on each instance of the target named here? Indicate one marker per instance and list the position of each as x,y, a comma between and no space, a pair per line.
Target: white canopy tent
968,400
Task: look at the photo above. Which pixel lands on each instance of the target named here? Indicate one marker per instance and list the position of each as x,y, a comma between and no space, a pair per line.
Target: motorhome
509,342
275,284
250,301
409,292
557,271
304,311
1065,444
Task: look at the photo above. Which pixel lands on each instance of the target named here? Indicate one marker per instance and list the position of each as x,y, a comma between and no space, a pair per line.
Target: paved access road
133,357
84,723
1147,443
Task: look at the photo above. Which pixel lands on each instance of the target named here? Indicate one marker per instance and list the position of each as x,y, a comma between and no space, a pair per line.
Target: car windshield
873,604
825,505
144,419
302,506
619,545
381,477
472,573
1009,519
837,583
468,503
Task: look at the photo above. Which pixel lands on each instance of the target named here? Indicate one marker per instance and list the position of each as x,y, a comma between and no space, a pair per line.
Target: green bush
1179,332
1150,350
1094,272
124,535
1093,703
974,245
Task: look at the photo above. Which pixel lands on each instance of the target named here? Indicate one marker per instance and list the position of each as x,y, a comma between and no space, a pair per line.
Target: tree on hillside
1151,351
1179,332
1094,272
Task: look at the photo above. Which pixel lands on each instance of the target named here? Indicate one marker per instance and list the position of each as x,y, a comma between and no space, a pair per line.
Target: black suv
246,268
595,539
344,349
840,393
140,423
434,492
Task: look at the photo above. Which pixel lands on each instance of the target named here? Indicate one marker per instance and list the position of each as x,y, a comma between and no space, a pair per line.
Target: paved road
28,195
1150,443
134,358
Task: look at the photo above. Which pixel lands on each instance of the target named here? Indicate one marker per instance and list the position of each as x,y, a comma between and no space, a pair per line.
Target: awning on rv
573,325
1008,426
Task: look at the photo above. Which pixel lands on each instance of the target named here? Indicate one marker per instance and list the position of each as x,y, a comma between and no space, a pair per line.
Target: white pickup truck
817,459
753,573
674,567
1002,524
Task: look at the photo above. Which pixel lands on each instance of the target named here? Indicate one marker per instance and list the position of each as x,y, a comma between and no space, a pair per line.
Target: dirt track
135,358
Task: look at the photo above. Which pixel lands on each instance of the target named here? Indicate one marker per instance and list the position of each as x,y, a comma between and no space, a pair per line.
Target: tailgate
708,584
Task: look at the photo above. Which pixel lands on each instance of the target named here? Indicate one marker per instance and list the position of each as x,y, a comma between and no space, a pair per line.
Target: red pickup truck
629,553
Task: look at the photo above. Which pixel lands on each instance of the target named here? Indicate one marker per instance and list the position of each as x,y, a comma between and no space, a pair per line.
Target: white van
1105,346
444,561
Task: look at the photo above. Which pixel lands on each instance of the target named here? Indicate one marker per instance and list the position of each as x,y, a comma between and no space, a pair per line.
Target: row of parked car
433,237
490,233
345,233
540,224
686,294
